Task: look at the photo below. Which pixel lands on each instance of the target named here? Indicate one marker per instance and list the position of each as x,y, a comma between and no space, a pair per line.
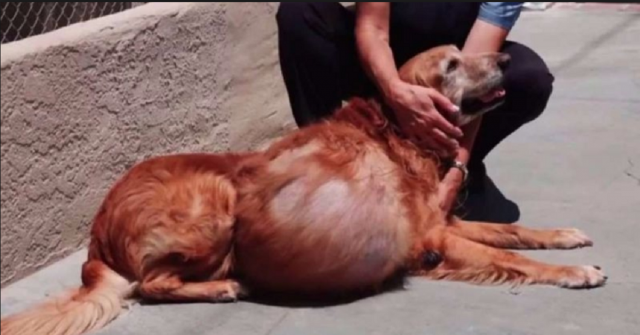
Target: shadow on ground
394,284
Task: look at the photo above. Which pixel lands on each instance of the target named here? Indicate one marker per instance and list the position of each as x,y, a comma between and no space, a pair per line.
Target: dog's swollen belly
327,232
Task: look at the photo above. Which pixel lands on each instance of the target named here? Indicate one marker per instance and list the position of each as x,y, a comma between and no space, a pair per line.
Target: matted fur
337,207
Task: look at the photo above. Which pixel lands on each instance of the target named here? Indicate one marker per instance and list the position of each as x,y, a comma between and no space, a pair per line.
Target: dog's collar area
444,164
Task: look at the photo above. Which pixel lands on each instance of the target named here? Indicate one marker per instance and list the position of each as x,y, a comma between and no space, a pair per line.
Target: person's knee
532,89
540,83
541,88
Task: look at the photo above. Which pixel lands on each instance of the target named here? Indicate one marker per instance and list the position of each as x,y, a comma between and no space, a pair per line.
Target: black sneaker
483,201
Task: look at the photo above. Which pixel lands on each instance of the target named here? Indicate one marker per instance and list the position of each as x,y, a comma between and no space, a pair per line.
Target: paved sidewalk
578,165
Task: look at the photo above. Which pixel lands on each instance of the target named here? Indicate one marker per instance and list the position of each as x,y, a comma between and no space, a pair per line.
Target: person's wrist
455,175
391,88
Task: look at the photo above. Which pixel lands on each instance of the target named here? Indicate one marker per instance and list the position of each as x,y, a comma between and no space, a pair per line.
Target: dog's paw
232,292
570,238
580,277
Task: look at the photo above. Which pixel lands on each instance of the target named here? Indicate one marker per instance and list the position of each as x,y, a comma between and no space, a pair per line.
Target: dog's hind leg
518,237
469,261
172,288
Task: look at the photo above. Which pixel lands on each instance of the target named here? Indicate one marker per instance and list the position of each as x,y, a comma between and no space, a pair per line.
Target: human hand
448,189
426,125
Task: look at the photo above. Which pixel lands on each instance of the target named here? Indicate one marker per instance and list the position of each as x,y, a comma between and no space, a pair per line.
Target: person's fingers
429,143
445,126
443,104
423,130
426,135
424,141
445,141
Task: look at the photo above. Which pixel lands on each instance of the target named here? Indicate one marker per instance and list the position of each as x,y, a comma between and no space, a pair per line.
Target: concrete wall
82,104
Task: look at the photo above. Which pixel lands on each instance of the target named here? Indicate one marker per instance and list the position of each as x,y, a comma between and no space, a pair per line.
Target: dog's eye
453,65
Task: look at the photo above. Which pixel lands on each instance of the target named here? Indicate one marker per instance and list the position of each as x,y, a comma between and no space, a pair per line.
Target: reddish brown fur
333,208
168,212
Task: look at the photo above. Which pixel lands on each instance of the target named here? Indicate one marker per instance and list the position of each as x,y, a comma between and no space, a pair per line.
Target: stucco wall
82,104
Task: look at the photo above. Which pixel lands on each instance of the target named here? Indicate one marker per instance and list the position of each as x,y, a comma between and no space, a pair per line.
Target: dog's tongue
492,95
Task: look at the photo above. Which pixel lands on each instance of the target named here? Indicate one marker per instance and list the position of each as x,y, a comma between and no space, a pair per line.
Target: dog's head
473,82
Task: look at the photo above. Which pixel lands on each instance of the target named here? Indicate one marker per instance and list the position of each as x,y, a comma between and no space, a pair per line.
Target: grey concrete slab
577,165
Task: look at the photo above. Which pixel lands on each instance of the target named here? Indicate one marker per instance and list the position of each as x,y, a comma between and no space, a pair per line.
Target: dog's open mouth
483,103
495,94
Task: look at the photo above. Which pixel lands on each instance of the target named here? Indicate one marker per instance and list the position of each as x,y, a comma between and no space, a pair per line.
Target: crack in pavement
278,323
628,172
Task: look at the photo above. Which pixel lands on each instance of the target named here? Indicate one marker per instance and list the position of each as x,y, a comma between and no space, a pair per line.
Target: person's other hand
422,114
448,189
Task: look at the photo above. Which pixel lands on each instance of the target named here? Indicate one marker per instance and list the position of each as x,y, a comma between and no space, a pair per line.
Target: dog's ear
416,78
408,72
420,71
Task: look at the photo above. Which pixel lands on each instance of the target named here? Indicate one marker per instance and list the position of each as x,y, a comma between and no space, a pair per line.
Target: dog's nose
503,61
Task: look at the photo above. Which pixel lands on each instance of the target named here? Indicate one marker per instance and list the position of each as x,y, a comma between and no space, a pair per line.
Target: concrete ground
578,165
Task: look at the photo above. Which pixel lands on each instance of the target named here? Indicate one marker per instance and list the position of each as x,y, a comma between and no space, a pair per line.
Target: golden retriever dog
338,207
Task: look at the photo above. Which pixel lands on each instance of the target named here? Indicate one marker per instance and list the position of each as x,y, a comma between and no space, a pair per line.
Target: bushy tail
81,311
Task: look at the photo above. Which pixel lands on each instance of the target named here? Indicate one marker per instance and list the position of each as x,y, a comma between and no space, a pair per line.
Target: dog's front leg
518,237
465,260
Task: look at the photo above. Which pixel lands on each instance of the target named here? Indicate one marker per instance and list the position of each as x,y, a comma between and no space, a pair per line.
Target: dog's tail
86,309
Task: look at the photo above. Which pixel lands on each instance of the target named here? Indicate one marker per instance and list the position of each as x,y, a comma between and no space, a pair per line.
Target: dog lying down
337,207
